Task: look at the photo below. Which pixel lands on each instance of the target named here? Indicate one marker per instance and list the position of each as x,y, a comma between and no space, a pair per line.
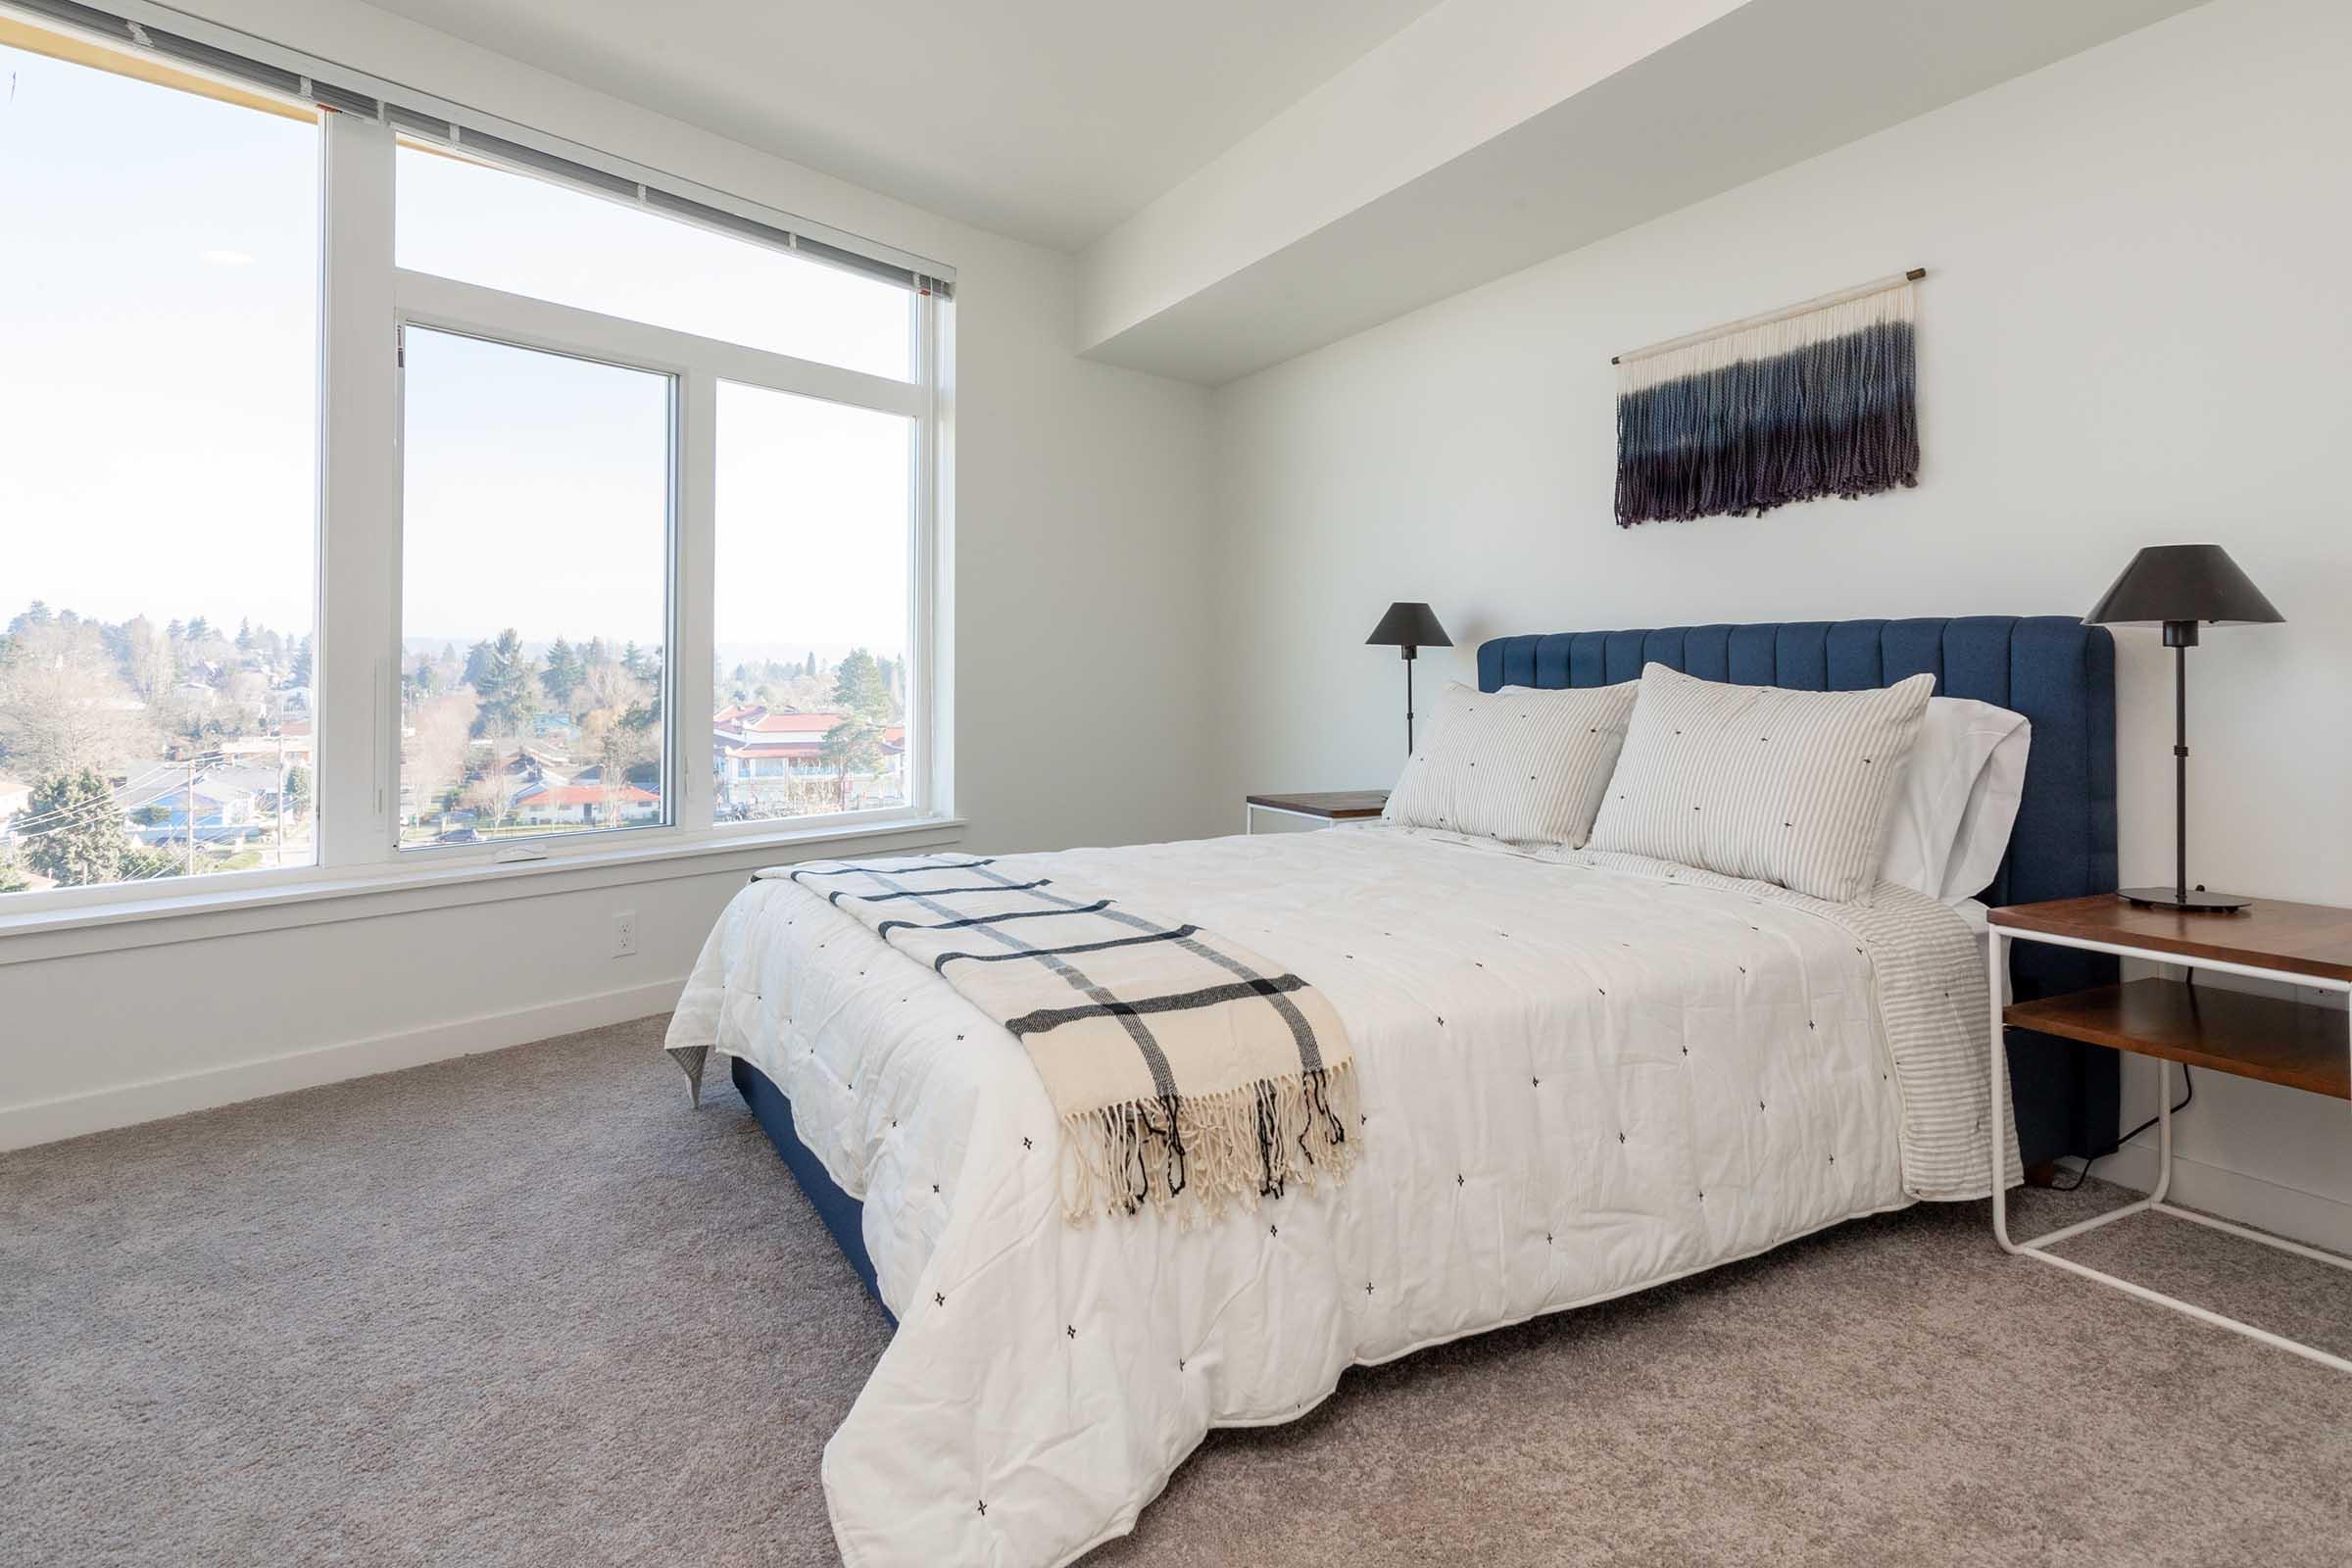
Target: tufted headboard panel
2052,668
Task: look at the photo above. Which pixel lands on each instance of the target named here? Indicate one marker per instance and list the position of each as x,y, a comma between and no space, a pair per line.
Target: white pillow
1760,781
1520,764
1992,814
1958,740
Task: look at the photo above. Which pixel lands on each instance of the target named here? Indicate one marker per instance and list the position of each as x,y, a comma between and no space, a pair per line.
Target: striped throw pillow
1521,765
1759,781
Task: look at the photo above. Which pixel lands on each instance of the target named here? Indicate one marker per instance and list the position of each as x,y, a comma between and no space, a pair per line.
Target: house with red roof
593,803
758,755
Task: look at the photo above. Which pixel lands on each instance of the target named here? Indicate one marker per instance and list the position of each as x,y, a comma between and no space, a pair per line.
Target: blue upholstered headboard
2052,668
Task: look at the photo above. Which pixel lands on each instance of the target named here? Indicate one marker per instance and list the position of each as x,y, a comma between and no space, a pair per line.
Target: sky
158,366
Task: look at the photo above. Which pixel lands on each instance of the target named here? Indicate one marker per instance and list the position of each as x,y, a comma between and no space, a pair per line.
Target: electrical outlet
625,934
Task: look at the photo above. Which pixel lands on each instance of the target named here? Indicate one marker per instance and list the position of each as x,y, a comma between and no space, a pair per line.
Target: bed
1581,1074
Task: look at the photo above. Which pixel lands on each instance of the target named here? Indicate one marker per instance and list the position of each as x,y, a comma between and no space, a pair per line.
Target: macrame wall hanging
1816,400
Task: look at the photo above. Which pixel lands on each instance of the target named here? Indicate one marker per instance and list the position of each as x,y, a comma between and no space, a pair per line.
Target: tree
477,665
438,747
508,688
302,662
596,653
493,795
859,689
298,792
75,830
245,636
12,878
140,863
36,614
632,659
562,677
853,746
61,708
150,664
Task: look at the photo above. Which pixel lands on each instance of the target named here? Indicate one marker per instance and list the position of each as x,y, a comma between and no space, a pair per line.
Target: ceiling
1051,120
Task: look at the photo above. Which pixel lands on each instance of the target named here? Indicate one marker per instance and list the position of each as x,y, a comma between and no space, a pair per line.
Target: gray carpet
527,1308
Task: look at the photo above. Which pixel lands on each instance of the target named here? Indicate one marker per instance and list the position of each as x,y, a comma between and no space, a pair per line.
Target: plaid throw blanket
1188,1072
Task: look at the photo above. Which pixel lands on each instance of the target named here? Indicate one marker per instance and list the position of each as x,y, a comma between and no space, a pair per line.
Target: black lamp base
2196,900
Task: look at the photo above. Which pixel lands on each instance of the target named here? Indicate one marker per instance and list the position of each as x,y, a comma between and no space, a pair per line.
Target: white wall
1080,563
2133,330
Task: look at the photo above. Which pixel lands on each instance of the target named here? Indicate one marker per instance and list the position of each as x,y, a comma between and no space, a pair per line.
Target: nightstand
2278,1041
1314,810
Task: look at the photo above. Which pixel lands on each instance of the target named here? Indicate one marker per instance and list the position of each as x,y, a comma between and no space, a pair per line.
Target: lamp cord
2189,1093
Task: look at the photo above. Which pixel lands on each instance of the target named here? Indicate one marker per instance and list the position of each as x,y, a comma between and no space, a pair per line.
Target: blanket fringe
1195,1156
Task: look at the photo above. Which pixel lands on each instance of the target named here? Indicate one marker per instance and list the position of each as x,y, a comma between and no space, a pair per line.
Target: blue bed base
2052,668
844,1215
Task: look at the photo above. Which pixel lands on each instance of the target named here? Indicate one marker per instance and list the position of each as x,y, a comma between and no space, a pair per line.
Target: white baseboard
2289,1211
126,1104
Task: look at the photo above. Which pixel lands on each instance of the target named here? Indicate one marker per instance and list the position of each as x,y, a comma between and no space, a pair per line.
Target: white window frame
365,302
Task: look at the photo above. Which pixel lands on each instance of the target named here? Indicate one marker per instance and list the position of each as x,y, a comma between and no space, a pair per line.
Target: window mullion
693,595
931,724
356,699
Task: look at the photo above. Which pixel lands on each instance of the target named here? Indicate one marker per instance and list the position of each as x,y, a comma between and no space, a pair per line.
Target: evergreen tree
298,792
302,662
76,829
477,665
35,615
562,675
859,689
245,636
596,654
199,629
810,671
508,688
853,746
632,659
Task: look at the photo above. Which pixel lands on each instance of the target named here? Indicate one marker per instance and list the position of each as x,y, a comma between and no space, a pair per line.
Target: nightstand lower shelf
2245,1035
2237,1032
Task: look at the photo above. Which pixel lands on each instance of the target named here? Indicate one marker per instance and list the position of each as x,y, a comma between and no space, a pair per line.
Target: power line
70,817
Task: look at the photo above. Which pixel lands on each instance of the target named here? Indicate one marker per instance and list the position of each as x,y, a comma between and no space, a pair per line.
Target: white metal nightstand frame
1997,969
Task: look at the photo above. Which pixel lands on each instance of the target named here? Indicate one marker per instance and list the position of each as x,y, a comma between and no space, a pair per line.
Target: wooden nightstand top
1337,806
2313,939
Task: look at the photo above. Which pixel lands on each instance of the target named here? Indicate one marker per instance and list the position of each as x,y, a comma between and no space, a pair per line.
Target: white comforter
1581,1075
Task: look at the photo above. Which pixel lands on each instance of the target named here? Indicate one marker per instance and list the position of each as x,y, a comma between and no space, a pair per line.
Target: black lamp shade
2172,583
1408,625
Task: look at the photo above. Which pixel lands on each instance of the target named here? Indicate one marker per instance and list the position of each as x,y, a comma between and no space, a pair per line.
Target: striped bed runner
1189,1073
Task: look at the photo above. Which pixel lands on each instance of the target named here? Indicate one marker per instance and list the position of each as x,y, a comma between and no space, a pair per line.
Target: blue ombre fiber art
1820,399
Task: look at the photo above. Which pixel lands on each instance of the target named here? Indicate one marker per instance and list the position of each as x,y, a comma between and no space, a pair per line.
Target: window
158,264
381,496
815,520
534,603
464,219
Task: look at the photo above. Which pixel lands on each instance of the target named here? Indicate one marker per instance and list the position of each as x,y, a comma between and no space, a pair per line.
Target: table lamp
1410,627
2179,587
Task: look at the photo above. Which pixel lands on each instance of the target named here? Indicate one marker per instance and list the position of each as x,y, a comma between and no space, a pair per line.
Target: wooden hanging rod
1858,291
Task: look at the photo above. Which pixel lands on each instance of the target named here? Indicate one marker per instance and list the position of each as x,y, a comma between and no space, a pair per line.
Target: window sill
356,895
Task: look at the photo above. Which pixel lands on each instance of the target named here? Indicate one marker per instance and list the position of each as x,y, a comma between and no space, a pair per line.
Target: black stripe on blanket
896,870
1178,934
1044,1019
888,926
935,893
